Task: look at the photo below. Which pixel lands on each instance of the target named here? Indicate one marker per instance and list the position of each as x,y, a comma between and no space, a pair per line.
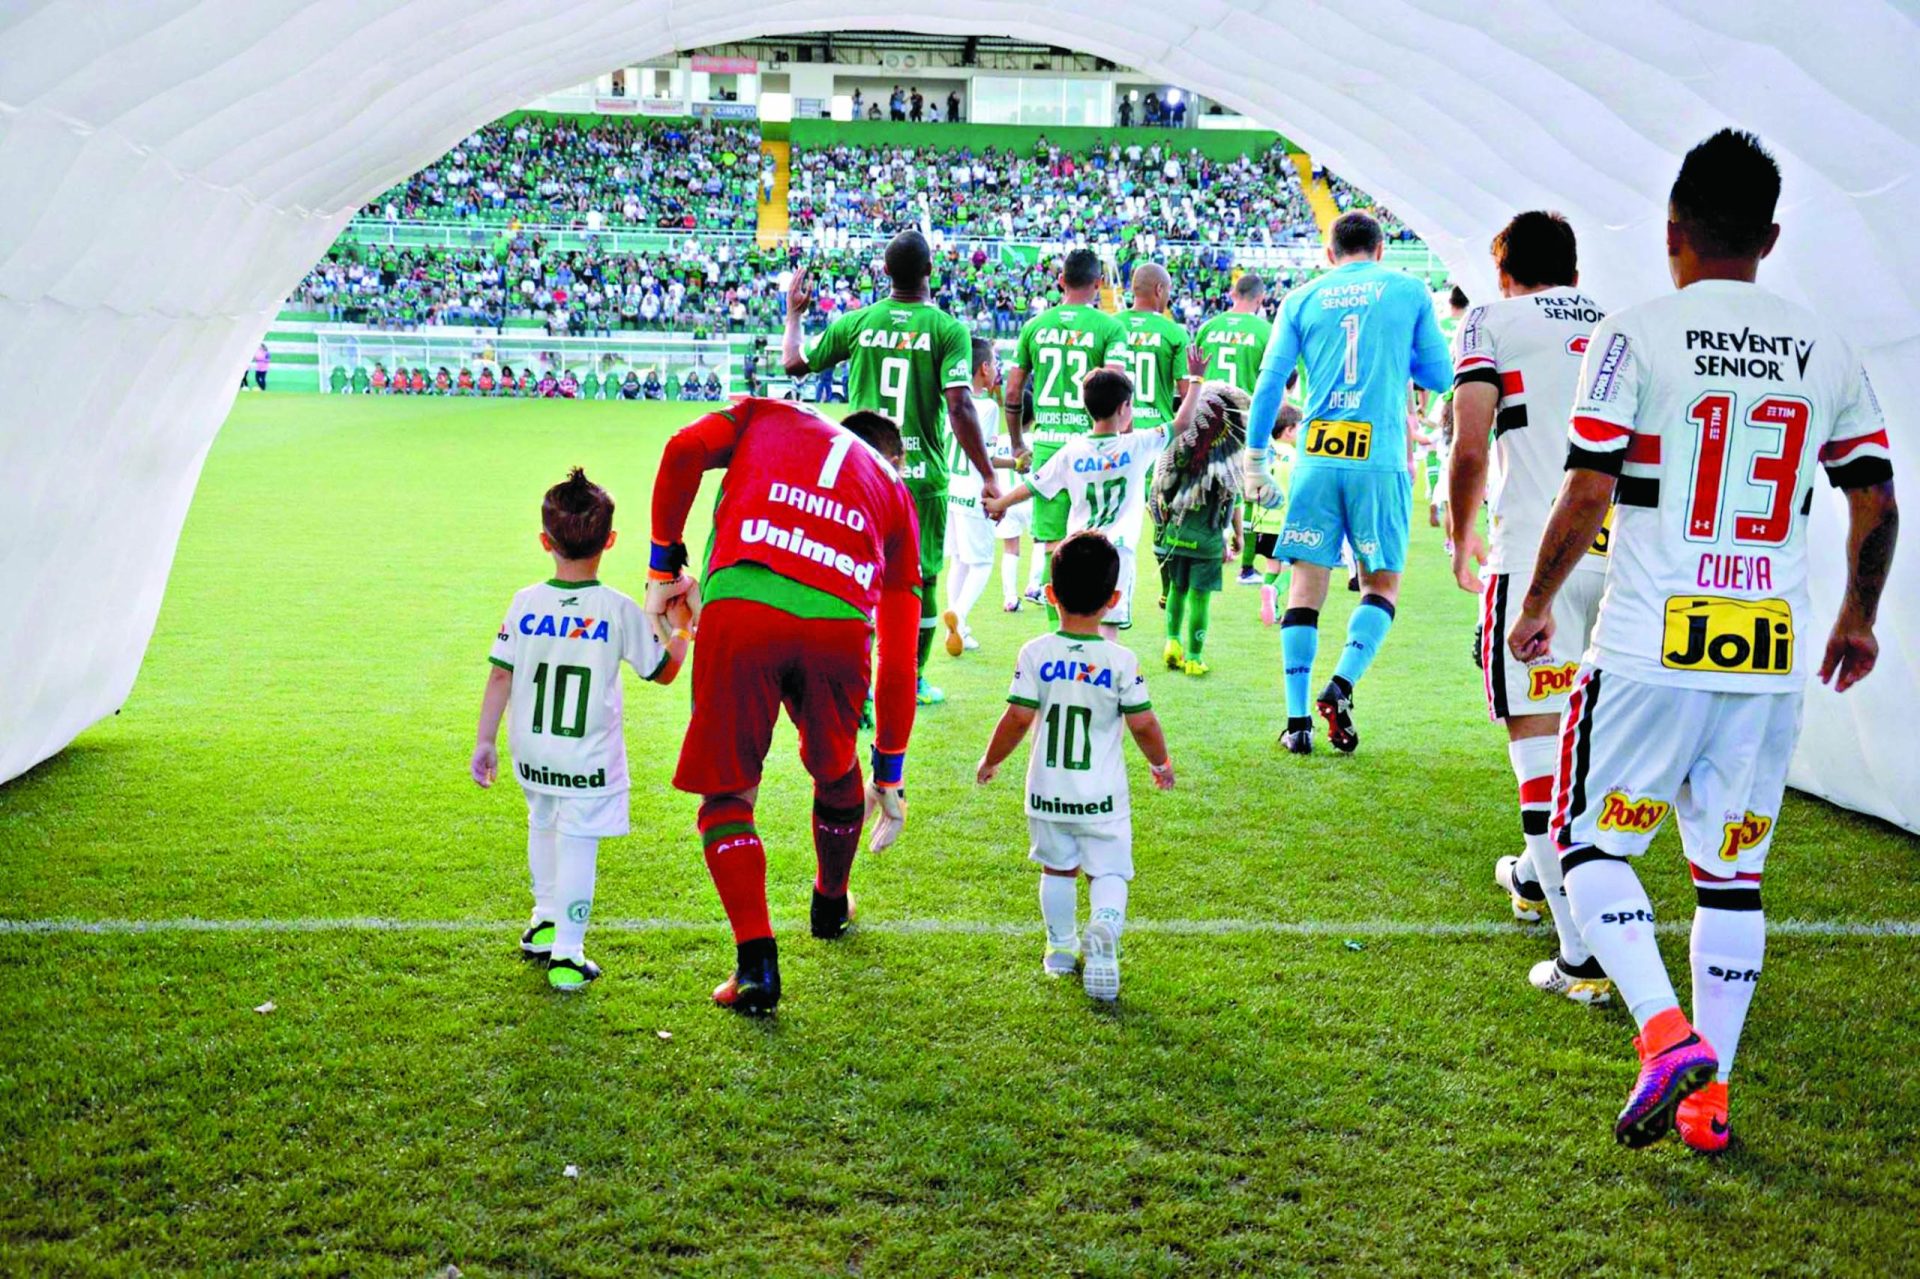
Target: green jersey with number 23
1058,348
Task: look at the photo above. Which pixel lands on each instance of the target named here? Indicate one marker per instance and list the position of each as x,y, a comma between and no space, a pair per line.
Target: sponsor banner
725,111
616,106
725,66
661,106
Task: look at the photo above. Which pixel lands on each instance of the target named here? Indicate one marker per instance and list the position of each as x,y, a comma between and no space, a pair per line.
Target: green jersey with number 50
564,641
1233,344
1058,348
901,357
1156,361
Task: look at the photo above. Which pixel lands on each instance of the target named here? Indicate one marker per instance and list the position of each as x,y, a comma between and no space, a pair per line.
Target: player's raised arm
695,449
799,302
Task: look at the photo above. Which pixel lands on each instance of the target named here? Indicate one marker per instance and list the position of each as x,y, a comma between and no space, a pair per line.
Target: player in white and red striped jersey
1515,370
1704,414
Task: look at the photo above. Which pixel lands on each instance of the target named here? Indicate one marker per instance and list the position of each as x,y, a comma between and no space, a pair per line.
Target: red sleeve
897,636
693,451
903,546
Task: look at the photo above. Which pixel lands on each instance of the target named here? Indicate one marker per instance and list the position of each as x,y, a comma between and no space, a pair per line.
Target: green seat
361,383
337,380
590,387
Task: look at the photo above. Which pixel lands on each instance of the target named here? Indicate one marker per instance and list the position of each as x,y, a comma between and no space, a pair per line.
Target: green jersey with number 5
1233,344
1059,347
1156,361
901,357
563,642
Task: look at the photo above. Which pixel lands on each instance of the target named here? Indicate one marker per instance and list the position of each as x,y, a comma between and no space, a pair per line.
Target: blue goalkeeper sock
1299,640
1366,631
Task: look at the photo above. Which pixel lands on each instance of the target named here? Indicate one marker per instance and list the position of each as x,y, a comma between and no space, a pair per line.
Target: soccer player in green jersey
1232,344
1057,349
909,360
1156,349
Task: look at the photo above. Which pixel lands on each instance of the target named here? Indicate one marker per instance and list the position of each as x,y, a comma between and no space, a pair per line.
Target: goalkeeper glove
1255,485
886,791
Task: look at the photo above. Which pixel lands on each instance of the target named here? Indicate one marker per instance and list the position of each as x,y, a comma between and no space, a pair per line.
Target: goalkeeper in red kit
815,554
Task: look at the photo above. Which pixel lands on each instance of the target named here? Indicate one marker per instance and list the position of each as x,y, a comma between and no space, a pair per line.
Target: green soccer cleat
925,694
1196,667
1174,656
537,941
569,976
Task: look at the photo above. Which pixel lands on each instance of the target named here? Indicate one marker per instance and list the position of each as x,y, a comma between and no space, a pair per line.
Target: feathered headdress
1200,470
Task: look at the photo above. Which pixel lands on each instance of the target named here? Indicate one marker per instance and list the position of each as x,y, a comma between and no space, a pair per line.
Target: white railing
669,354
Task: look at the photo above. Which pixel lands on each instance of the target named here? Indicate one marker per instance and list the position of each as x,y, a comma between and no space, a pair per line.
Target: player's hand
1469,553
484,767
662,595
1254,484
891,801
1852,652
995,506
984,773
1162,774
1531,639
800,293
990,493
1022,460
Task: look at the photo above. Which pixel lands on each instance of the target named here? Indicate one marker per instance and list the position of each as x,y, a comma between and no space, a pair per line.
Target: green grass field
1327,1058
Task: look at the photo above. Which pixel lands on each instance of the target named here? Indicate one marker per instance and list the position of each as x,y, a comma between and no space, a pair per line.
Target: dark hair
1457,299
878,431
982,351
1725,195
1537,249
1081,268
1249,285
1289,419
909,261
1355,233
1104,391
1086,568
578,515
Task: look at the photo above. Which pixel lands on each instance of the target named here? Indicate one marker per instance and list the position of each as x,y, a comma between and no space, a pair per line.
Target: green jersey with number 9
1059,347
901,357
1233,344
1156,361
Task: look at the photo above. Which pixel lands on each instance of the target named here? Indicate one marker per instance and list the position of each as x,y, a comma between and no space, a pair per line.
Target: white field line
1820,928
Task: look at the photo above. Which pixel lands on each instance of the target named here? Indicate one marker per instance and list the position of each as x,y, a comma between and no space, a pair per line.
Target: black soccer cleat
1297,736
571,976
754,988
1336,708
832,916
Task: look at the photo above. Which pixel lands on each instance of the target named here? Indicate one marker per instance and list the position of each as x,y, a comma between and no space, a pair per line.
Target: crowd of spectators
554,171
1348,196
1114,194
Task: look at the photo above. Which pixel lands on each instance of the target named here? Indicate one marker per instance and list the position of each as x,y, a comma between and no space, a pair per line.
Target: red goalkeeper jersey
803,497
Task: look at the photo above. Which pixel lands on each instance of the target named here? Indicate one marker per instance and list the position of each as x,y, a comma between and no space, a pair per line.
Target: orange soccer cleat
1702,1119
1675,1063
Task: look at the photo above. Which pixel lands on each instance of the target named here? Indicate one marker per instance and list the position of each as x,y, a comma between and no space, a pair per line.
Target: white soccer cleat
1060,963
1527,909
1100,974
1550,976
969,643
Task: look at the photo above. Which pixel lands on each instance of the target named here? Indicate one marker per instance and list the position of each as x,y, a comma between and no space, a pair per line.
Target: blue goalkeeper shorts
1369,510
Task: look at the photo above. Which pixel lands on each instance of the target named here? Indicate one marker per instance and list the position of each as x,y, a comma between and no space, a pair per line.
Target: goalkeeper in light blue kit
1362,331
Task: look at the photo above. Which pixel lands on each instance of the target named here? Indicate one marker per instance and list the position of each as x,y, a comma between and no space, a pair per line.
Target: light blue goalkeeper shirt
1363,330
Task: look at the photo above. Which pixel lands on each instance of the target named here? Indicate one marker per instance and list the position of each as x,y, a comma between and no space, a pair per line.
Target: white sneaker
1060,963
968,643
1528,910
1101,974
1549,976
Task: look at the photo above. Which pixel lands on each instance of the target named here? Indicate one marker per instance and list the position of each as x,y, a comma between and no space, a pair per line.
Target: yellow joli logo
1735,637
1351,441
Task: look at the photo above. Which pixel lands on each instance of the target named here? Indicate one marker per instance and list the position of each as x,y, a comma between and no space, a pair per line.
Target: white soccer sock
1038,569
541,851
1727,948
1060,908
974,584
1534,760
1107,900
955,575
1616,919
573,894
1009,576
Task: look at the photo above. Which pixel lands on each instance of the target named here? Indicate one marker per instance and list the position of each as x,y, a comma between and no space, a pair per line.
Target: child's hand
985,773
680,616
1196,361
485,765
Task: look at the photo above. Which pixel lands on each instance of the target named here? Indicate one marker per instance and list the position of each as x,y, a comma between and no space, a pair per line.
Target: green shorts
931,505
1050,517
1195,573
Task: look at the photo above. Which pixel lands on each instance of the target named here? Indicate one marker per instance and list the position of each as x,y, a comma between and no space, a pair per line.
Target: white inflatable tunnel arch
169,169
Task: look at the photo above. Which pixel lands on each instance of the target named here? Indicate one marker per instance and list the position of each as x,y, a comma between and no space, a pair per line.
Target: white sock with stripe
1616,919
1533,760
1728,944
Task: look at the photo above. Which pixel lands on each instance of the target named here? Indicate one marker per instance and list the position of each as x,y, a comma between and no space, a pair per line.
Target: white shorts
1517,688
582,816
1097,848
1121,614
1631,753
1016,522
970,537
